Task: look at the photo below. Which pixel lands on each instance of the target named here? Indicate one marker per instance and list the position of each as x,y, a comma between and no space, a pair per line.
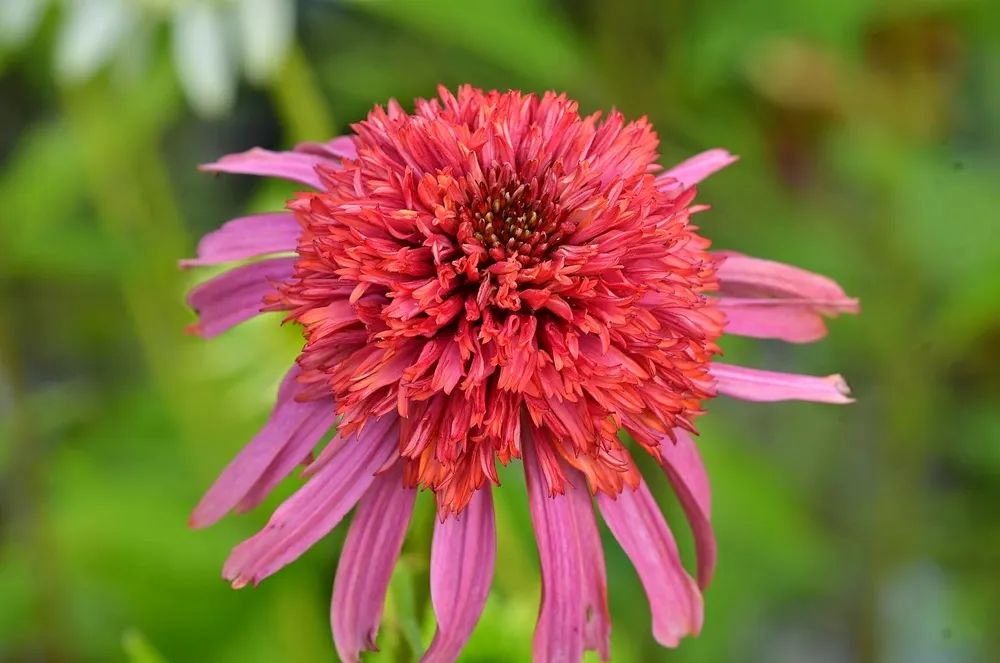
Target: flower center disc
513,223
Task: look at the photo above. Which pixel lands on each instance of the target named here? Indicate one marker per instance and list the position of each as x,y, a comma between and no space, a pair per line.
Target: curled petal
751,384
687,474
237,295
674,599
766,299
370,552
247,237
745,277
463,555
574,613
694,170
295,166
316,508
291,432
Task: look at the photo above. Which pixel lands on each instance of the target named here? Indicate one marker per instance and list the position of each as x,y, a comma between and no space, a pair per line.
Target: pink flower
491,278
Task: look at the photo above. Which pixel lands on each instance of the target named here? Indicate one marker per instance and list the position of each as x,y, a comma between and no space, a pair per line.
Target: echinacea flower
494,278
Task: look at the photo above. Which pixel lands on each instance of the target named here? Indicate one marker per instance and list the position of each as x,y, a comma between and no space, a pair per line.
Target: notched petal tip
752,384
838,382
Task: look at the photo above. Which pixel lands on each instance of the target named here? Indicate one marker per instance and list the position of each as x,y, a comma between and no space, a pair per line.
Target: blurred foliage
871,152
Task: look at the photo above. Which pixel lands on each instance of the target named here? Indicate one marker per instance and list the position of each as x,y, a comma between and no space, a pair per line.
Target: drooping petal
751,384
366,563
297,452
574,613
674,599
237,295
247,237
687,475
293,427
741,276
463,555
295,166
317,507
692,171
793,321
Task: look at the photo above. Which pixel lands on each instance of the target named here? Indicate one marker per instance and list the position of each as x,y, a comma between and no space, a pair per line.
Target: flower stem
299,101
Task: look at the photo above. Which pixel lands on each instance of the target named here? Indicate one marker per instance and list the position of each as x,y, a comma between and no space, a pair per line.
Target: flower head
494,277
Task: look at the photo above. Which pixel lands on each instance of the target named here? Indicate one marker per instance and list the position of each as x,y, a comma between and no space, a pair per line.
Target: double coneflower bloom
494,278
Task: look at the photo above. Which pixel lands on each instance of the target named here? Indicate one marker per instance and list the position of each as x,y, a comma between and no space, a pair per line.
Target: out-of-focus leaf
138,649
948,219
203,57
17,587
42,201
517,34
267,28
89,34
401,607
19,20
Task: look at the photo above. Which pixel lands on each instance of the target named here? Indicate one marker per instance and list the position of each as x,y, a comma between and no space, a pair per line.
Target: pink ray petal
751,384
793,321
237,295
315,508
366,563
294,453
745,277
694,170
341,147
463,555
292,425
574,615
674,599
247,237
686,471
295,166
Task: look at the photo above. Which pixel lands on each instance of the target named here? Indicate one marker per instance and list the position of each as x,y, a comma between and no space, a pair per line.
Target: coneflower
494,278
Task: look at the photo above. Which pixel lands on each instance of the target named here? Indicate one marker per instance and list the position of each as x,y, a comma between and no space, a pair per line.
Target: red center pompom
493,262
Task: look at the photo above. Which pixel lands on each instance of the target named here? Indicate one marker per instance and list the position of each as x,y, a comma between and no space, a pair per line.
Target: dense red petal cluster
494,263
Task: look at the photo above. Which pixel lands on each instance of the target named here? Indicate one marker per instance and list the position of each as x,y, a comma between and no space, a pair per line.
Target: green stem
902,441
131,191
299,101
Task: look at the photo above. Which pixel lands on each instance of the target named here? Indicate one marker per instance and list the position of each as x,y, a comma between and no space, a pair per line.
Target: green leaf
138,649
517,34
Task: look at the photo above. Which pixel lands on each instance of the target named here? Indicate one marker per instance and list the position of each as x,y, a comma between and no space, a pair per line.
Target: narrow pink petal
297,450
574,613
315,508
237,295
341,147
694,170
751,384
687,474
366,563
674,599
295,166
795,322
248,237
746,277
463,556
299,426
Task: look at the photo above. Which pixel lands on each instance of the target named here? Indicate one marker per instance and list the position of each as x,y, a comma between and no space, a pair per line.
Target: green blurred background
871,152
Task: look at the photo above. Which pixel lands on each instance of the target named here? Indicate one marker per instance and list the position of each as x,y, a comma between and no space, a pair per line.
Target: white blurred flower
19,19
213,42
